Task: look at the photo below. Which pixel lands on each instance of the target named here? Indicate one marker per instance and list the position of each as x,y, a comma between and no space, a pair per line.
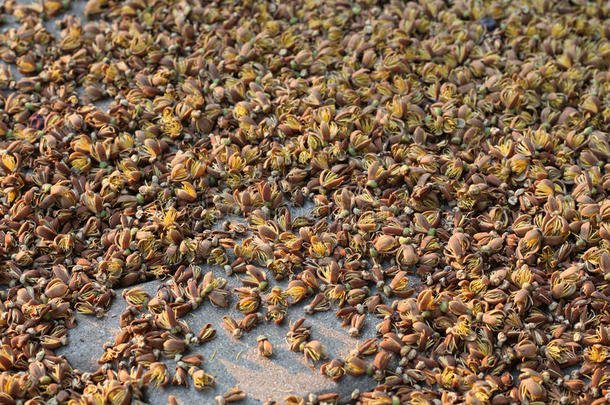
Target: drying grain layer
456,154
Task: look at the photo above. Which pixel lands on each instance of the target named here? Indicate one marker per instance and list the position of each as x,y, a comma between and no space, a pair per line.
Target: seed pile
462,142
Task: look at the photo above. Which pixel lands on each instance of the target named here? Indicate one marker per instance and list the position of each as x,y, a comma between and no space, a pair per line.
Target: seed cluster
462,142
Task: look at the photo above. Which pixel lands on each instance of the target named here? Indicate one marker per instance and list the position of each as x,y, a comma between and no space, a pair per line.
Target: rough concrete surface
233,362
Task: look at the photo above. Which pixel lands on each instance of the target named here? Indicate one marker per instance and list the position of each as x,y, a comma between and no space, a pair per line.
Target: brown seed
264,347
